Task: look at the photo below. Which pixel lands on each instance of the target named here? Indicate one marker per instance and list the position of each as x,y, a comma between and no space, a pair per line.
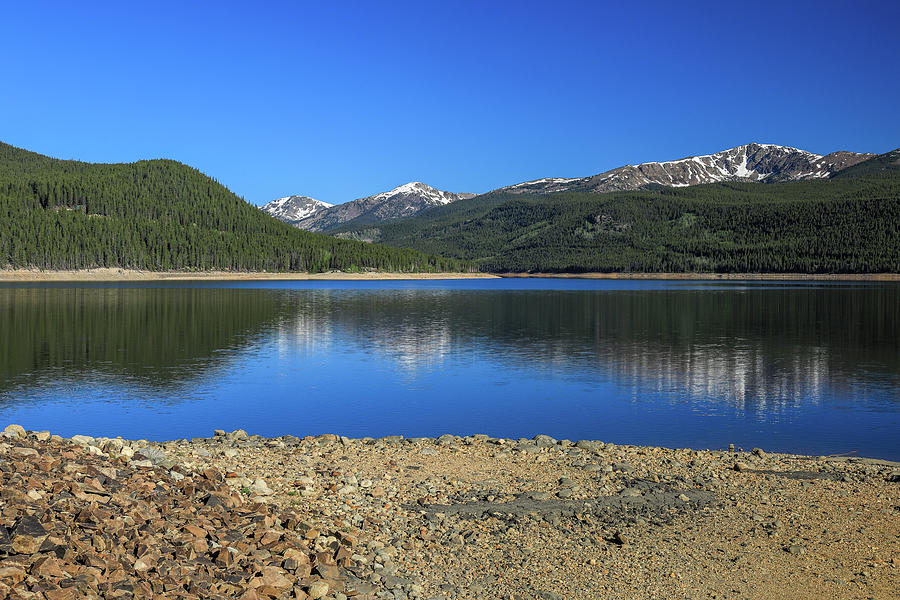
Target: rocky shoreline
242,516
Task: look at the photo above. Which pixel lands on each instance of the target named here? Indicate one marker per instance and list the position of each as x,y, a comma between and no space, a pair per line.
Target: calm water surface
808,368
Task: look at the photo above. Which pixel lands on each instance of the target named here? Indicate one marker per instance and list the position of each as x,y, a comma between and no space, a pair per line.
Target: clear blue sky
339,100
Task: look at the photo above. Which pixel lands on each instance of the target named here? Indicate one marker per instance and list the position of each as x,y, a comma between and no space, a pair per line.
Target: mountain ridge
767,163
293,209
753,162
843,224
403,201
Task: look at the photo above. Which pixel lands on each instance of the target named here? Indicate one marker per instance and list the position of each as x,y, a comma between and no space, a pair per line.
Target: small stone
317,590
218,433
589,445
154,455
23,453
759,452
620,538
544,441
684,498
796,549
261,488
27,535
82,440
14,431
741,467
631,492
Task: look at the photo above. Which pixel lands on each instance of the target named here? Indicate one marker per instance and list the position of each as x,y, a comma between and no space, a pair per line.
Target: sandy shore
107,274
483,518
719,276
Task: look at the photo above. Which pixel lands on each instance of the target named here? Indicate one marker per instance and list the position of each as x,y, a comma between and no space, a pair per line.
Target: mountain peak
750,162
402,201
292,209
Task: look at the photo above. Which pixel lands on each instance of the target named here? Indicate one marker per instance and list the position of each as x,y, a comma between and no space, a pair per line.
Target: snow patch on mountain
294,208
750,162
402,201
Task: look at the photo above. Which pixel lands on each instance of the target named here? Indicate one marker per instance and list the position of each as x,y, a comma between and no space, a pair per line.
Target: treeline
161,215
842,225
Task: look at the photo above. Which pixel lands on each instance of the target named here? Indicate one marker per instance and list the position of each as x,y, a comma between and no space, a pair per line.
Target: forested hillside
850,223
160,215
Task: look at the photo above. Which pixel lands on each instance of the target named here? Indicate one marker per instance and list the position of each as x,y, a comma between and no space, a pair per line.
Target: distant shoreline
114,274
717,276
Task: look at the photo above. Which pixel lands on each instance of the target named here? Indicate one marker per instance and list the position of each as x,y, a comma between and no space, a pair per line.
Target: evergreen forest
161,215
847,224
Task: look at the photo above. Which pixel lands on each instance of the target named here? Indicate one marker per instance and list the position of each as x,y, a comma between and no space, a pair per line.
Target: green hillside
848,224
160,215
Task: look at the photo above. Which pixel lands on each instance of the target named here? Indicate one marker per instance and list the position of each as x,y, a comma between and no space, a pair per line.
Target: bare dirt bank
113,274
720,276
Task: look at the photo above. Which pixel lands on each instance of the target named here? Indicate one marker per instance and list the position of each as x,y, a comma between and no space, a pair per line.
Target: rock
684,498
113,446
589,445
741,467
317,590
759,452
544,441
619,538
796,549
12,575
624,467
237,434
631,492
230,453
42,436
82,440
154,455
260,488
27,535
14,431
23,453
218,433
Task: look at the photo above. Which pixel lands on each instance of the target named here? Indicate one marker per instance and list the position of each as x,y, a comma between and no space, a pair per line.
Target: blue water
796,367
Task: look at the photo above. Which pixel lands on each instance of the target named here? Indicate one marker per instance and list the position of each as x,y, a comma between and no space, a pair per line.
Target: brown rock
27,535
60,594
275,577
22,453
47,567
12,575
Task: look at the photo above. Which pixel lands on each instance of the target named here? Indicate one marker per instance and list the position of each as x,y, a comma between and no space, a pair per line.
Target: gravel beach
242,516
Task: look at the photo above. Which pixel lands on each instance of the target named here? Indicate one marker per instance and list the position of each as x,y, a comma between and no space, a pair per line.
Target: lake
809,368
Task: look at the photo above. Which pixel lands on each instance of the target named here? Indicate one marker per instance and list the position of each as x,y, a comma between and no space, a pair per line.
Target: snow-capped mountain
403,201
751,162
292,209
